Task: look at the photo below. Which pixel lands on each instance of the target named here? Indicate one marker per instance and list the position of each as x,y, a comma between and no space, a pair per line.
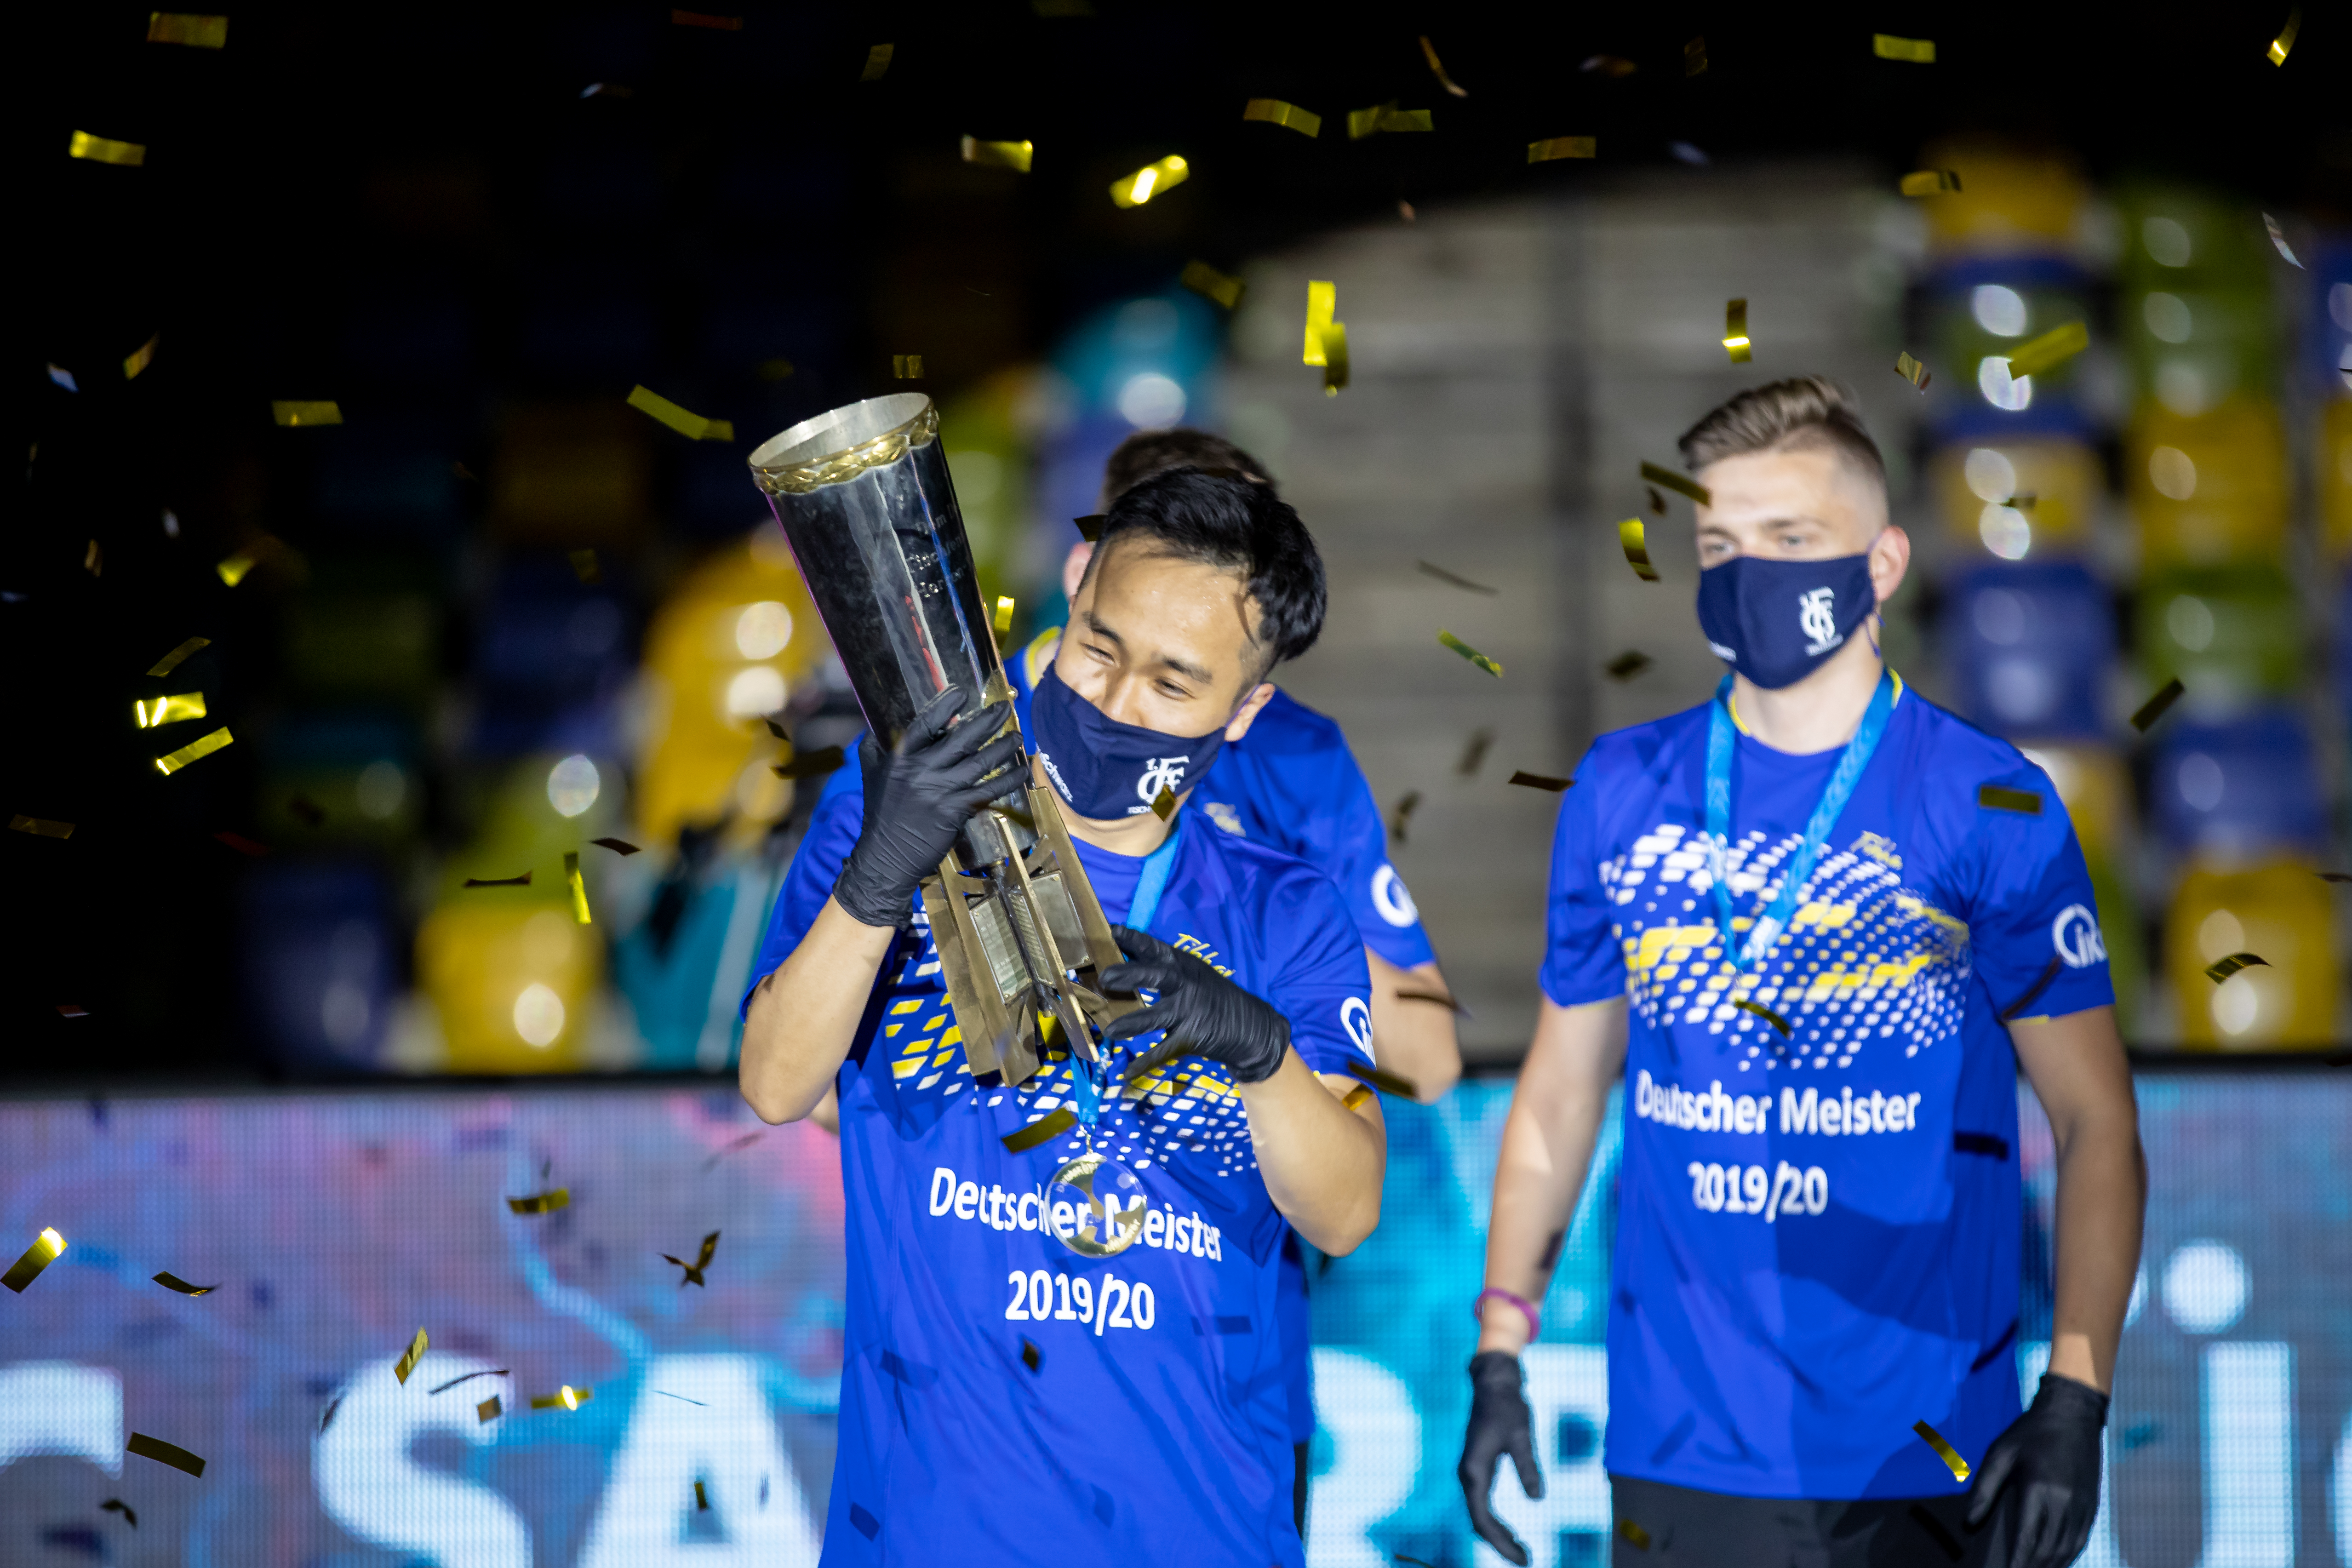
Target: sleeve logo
2076,934
1396,905
1356,1018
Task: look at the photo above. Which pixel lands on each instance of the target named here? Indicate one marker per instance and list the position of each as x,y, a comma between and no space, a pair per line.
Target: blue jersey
1152,1428
1817,1239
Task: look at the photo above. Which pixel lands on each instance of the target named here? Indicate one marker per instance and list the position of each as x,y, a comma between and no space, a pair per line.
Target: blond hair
1804,412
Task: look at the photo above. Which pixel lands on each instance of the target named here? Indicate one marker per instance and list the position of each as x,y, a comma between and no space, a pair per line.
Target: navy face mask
1775,621
1105,769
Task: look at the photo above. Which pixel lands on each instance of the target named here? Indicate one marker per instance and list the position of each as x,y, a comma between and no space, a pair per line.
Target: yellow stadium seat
2211,488
2010,201
572,474
2277,911
1987,491
2332,456
512,976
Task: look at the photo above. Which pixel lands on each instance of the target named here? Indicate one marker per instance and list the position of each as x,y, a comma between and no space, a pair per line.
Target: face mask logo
1817,614
1159,773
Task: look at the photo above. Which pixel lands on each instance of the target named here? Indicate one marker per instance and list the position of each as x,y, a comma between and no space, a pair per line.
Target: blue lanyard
1149,886
1800,869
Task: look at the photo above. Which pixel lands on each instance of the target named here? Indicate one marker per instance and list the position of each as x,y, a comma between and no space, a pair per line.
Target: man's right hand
918,798
1499,1423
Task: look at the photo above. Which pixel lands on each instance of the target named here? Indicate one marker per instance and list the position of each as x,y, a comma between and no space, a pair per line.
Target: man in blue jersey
1817,925
1003,1398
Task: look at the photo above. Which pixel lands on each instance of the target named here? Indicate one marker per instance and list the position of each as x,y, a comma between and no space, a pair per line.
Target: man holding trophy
1084,1088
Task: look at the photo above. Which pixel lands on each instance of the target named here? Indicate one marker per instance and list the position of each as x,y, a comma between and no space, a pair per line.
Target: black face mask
1105,769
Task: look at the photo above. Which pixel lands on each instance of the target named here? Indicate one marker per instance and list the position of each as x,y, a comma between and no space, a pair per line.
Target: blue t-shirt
1817,1239
1160,1379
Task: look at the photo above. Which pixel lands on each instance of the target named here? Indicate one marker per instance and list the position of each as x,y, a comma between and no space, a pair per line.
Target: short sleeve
832,833
1583,962
1318,979
2033,922
1356,860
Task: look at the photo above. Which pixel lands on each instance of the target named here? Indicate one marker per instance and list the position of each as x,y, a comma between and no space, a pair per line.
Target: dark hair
1234,526
1150,452
1786,416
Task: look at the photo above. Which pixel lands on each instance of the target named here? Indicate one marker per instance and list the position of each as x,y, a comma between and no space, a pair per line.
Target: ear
1074,569
1890,559
1246,714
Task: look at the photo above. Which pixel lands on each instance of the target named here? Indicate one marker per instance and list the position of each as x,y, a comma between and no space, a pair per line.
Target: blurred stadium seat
320,968
2277,911
2240,787
2029,649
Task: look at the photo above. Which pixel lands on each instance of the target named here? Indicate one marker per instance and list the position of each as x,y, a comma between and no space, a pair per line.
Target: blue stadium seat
2239,786
2027,649
321,969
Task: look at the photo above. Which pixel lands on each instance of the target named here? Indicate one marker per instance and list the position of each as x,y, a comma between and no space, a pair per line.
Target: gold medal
1095,1206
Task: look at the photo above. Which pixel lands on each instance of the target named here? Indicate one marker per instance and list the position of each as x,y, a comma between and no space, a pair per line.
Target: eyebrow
1192,671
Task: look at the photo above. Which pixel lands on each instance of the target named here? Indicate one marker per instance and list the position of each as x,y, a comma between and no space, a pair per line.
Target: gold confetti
1935,1439
1322,303
1765,1013
907,367
585,567
693,426
703,19
1211,284
171,762
164,1453
1634,1534
1428,53
2217,973
1356,1096
620,847
469,1377
1474,753
1335,358
694,1269
1274,112
1386,1082
1678,483
232,570
1541,781
179,28
1553,147
2052,348
172,660
1013,156
1634,539
141,359
1003,620
1363,122
1472,653
1613,65
1626,665
1912,370
1695,55
1932,183
1428,569
1995,798
1657,501
1090,528
2278,240
168,709
242,845
174,1282
44,1250
1134,190
1403,815
1043,1130
809,764
100,150
1917,51
2285,39
41,827
93,560
1163,804
410,1357
489,1410
116,1505
2153,709
522,881
568,1397
296,413
1404,211
701,1503
579,888
541,1203
878,60
1735,332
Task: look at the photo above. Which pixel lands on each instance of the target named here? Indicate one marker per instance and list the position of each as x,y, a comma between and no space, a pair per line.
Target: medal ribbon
1154,881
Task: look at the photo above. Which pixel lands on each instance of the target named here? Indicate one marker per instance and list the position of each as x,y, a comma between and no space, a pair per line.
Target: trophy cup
865,500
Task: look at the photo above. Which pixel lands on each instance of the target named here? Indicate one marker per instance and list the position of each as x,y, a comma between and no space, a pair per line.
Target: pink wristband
1527,1310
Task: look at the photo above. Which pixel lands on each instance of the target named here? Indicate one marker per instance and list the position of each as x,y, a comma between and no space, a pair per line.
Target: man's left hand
2048,1463
1203,1011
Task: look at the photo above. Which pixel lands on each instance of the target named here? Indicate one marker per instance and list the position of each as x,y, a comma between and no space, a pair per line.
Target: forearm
1538,1179
803,1017
2102,1201
1322,1162
1414,1038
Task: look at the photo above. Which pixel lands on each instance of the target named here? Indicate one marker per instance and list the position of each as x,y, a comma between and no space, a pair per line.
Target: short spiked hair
1807,410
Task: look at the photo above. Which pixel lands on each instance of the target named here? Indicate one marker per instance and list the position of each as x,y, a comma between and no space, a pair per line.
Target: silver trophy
864,498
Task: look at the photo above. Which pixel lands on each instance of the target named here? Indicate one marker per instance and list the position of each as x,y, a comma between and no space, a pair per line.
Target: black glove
917,799
2048,1461
1499,1424
1204,1013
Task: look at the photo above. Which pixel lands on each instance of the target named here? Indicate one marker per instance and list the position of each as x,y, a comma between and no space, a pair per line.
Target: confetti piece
568,1397
1211,284
173,659
1428,53
294,414
1555,147
140,358
1917,51
703,19
179,28
745,1142
1335,358
907,367
308,810
1428,569
1403,815
809,764
2285,39
681,1398
1657,501
1031,1356
2278,239
1684,153
1041,1132
2153,709
1542,782
1163,804
232,570
694,1269
1912,370
1613,66
2052,348
1472,653
1932,183
2217,973
162,711
1626,665
607,89
172,761
878,60
1695,57
1090,528
1677,483
1386,1082
1003,620
44,1250
1013,156
541,1203
1765,1013
1634,1534
1735,332
1274,112
693,426
1934,1529
1935,1439
585,567
1363,122
116,1505
40,826
1147,181
64,378
1450,1003
701,1503
410,1357
620,847
522,881
1356,1096
68,1010
164,1453
774,369
1995,798
1474,753
174,1282
2015,1009
1634,539
2140,1434
1404,211
489,1410
578,888
100,150
469,1378
93,560
2334,876
1322,303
